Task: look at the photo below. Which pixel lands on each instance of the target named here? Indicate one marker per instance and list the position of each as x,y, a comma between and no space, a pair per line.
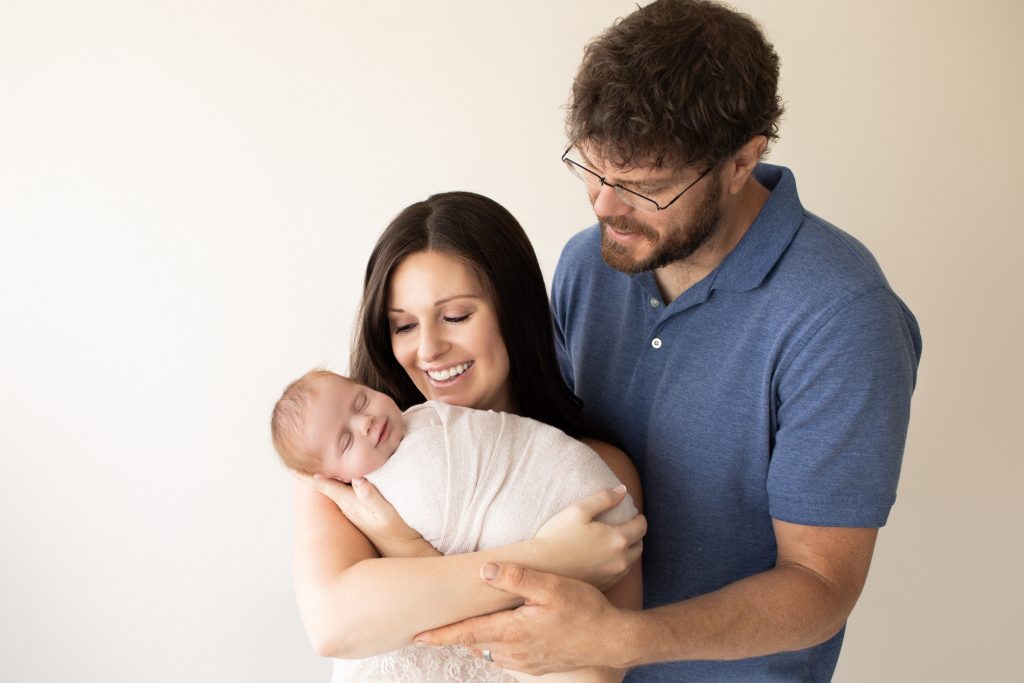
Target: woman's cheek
402,350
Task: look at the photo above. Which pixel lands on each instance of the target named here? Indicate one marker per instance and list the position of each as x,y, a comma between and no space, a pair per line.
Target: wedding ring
487,656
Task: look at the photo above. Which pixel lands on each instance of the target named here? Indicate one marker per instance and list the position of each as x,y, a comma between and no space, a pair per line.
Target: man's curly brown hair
677,82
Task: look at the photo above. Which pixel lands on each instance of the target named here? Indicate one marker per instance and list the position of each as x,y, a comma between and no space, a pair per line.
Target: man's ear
743,162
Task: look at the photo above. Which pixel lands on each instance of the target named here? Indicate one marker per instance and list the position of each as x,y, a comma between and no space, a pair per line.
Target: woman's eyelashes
456,318
401,327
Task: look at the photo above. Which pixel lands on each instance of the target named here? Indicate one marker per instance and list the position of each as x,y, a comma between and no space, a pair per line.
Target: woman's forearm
355,604
379,604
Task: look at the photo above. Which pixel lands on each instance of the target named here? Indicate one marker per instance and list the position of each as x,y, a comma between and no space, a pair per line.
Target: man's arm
804,600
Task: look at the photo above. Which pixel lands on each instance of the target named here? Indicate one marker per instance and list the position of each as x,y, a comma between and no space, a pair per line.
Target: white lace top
420,664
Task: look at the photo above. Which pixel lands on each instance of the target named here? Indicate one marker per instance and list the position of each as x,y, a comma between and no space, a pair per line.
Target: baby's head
327,424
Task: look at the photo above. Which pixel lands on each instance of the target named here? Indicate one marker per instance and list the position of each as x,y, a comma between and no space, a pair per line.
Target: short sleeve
843,409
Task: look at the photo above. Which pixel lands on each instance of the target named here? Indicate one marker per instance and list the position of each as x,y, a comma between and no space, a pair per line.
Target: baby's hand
375,517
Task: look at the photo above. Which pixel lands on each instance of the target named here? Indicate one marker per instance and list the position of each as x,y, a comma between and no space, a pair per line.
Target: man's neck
676,278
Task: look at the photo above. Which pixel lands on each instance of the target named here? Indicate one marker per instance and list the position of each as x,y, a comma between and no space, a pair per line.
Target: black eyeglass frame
619,189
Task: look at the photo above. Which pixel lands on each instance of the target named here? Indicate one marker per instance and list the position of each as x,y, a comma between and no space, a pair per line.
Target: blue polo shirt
777,387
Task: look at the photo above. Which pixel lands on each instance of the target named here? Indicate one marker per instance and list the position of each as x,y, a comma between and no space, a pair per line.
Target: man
750,357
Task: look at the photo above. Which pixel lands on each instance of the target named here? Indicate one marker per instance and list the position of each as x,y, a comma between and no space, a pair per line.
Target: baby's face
353,428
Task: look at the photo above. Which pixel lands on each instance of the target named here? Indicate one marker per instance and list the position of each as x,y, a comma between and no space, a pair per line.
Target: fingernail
489,571
420,640
358,481
621,488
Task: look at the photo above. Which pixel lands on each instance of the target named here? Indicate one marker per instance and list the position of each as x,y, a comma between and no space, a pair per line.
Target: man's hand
375,517
564,624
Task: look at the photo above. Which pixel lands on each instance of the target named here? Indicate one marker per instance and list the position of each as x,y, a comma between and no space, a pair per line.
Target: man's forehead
640,166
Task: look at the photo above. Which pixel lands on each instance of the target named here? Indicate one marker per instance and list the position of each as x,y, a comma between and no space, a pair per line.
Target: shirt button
656,343
654,302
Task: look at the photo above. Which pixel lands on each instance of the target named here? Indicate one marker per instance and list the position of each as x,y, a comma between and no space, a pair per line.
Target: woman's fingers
602,501
341,494
634,530
367,493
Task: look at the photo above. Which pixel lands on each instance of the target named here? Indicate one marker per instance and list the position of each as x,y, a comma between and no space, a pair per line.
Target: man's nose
608,203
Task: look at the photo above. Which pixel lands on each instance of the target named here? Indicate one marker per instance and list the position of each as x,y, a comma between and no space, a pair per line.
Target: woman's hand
375,517
572,544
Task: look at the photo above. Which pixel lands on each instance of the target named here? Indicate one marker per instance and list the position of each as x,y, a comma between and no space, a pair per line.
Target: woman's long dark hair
488,238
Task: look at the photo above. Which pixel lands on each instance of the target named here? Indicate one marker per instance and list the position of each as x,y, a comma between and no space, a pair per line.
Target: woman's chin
450,399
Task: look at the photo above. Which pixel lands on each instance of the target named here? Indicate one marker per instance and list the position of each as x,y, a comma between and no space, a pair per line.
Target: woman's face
445,333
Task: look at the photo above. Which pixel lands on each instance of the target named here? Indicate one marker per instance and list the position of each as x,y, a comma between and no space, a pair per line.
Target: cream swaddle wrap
472,479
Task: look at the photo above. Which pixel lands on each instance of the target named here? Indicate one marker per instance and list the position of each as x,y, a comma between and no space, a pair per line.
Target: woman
454,310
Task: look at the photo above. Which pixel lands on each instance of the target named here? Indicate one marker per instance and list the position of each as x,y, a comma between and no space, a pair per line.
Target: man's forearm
785,608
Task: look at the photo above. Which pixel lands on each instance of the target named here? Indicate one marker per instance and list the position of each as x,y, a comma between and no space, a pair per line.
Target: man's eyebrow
440,302
644,181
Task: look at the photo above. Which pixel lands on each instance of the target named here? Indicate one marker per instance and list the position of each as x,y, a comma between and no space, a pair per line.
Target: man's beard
679,242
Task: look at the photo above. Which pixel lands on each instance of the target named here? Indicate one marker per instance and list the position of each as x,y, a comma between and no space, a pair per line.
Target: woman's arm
628,593
355,604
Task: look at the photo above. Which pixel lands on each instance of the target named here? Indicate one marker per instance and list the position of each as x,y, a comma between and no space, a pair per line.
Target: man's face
634,241
353,429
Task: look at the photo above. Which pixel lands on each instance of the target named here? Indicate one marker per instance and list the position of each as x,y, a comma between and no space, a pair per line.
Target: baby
464,479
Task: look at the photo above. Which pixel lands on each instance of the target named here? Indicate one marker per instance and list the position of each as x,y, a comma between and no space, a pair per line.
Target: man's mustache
627,225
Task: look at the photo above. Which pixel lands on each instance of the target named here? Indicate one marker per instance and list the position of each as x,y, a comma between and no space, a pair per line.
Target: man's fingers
535,587
601,501
471,632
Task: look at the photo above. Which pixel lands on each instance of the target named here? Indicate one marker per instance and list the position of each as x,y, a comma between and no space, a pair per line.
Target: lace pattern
421,664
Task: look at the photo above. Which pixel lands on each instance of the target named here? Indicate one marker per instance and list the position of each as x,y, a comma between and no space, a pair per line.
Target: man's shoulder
829,261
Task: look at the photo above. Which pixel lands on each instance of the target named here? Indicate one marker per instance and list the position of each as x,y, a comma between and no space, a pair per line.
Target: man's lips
622,237
626,230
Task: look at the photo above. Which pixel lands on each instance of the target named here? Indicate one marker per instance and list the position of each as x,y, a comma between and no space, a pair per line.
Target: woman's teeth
441,375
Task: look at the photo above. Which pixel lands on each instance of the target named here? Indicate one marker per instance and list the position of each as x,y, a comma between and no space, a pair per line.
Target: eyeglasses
595,182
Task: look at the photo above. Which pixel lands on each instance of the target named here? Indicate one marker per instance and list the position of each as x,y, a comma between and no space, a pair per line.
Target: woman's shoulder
620,465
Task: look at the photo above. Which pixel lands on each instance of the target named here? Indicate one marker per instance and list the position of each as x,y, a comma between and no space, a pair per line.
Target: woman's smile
449,375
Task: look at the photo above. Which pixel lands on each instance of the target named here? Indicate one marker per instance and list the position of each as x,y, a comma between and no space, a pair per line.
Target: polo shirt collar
757,252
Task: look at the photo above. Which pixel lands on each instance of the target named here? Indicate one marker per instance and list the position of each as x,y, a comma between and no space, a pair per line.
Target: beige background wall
189,190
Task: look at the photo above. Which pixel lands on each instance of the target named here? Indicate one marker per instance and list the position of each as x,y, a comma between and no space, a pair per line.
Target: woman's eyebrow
440,301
